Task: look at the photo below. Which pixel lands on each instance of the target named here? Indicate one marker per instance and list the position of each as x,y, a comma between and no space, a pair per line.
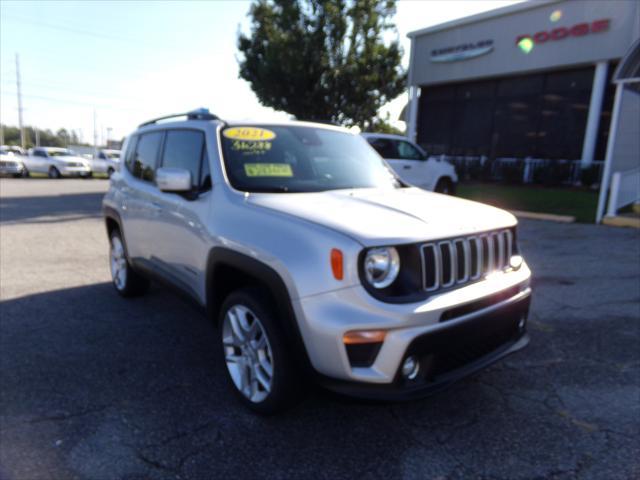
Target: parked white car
11,161
106,161
412,164
56,162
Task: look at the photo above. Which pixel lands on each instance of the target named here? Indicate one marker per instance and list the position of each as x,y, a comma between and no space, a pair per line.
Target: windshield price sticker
250,147
250,134
268,170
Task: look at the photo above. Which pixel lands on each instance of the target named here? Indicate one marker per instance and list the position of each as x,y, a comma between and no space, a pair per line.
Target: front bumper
451,354
75,171
11,169
324,319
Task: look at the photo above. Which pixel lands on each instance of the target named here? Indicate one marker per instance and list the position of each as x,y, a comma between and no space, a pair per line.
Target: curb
544,216
622,221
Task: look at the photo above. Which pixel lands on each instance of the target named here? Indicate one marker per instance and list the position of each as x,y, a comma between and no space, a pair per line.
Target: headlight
381,266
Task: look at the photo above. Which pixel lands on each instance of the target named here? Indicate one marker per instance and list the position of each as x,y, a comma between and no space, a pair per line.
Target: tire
250,343
25,173
445,186
126,281
110,172
88,175
54,172
17,175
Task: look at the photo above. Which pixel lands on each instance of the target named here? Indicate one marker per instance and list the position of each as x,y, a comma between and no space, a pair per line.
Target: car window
102,156
39,153
406,151
184,149
384,147
146,155
130,153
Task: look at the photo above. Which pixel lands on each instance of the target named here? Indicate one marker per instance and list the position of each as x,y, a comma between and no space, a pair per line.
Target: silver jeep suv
314,259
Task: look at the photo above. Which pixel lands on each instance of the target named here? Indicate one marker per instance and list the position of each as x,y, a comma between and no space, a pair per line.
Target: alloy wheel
118,263
247,352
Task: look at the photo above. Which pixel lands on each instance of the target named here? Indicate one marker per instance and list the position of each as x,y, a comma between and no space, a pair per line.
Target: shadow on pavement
46,209
97,386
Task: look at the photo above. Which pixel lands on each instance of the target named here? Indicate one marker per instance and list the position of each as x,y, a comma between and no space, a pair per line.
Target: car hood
384,217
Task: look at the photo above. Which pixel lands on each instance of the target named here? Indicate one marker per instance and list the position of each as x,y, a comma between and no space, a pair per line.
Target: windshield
301,159
60,153
115,155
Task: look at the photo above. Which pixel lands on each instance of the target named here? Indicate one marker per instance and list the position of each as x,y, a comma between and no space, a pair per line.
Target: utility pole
22,136
1,134
95,135
37,137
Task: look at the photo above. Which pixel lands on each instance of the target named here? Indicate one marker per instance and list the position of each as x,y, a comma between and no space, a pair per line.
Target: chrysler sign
461,52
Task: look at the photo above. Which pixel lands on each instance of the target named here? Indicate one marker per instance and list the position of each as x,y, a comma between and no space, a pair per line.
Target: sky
131,61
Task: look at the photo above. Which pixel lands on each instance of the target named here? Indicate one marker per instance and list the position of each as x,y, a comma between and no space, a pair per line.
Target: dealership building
544,80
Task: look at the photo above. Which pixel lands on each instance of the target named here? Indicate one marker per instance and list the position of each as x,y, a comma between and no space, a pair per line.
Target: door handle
407,167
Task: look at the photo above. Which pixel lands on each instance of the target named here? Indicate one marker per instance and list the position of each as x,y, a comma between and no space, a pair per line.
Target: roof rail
197,114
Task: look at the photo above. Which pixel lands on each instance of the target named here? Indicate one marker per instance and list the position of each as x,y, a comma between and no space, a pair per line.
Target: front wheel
54,172
110,171
445,186
259,366
25,173
126,281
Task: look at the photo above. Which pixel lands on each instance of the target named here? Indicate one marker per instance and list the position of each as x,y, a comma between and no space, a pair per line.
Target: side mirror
173,179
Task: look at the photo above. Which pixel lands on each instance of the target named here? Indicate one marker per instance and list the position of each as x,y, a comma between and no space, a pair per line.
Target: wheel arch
229,270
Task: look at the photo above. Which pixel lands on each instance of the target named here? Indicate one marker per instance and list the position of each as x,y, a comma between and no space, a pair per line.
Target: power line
71,102
68,89
78,31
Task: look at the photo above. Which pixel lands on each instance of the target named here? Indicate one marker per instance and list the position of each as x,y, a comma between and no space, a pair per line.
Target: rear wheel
445,186
25,172
110,171
126,281
259,366
54,172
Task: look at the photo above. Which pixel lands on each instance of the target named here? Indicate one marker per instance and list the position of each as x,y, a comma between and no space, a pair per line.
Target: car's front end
427,300
74,167
11,165
454,306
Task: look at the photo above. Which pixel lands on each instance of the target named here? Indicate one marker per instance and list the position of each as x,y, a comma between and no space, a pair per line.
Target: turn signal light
358,337
337,264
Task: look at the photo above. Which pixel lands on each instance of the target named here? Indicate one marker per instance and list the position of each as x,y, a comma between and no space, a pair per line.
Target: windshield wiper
273,189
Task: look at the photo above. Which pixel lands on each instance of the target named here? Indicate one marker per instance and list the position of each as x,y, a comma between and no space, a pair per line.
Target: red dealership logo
560,33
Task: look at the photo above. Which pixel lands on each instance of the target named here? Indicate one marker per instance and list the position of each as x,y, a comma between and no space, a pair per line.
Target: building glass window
540,115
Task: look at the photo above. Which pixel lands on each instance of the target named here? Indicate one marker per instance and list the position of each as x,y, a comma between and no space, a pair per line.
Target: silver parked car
56,162
106,161
11,161
314,259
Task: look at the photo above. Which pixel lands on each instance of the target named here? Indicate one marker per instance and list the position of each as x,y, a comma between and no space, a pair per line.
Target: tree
323,60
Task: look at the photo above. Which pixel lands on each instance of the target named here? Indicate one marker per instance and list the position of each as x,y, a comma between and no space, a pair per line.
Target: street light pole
23,141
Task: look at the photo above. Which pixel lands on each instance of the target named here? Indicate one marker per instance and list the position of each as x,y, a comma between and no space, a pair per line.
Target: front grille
449,263
8,164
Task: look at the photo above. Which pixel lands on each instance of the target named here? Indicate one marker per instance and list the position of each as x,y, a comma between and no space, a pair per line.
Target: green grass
578,202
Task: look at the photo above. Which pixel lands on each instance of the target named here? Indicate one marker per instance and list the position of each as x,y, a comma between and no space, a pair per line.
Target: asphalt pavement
93,386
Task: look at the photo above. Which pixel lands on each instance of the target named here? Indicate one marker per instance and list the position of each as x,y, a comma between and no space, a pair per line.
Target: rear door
388,149
142,210
416,169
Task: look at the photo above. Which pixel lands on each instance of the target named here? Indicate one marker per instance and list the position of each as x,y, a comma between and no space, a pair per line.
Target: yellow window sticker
249,134
268,170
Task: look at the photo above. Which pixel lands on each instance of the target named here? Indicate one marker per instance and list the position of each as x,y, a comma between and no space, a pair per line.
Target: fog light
516,261
410,368
522,323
